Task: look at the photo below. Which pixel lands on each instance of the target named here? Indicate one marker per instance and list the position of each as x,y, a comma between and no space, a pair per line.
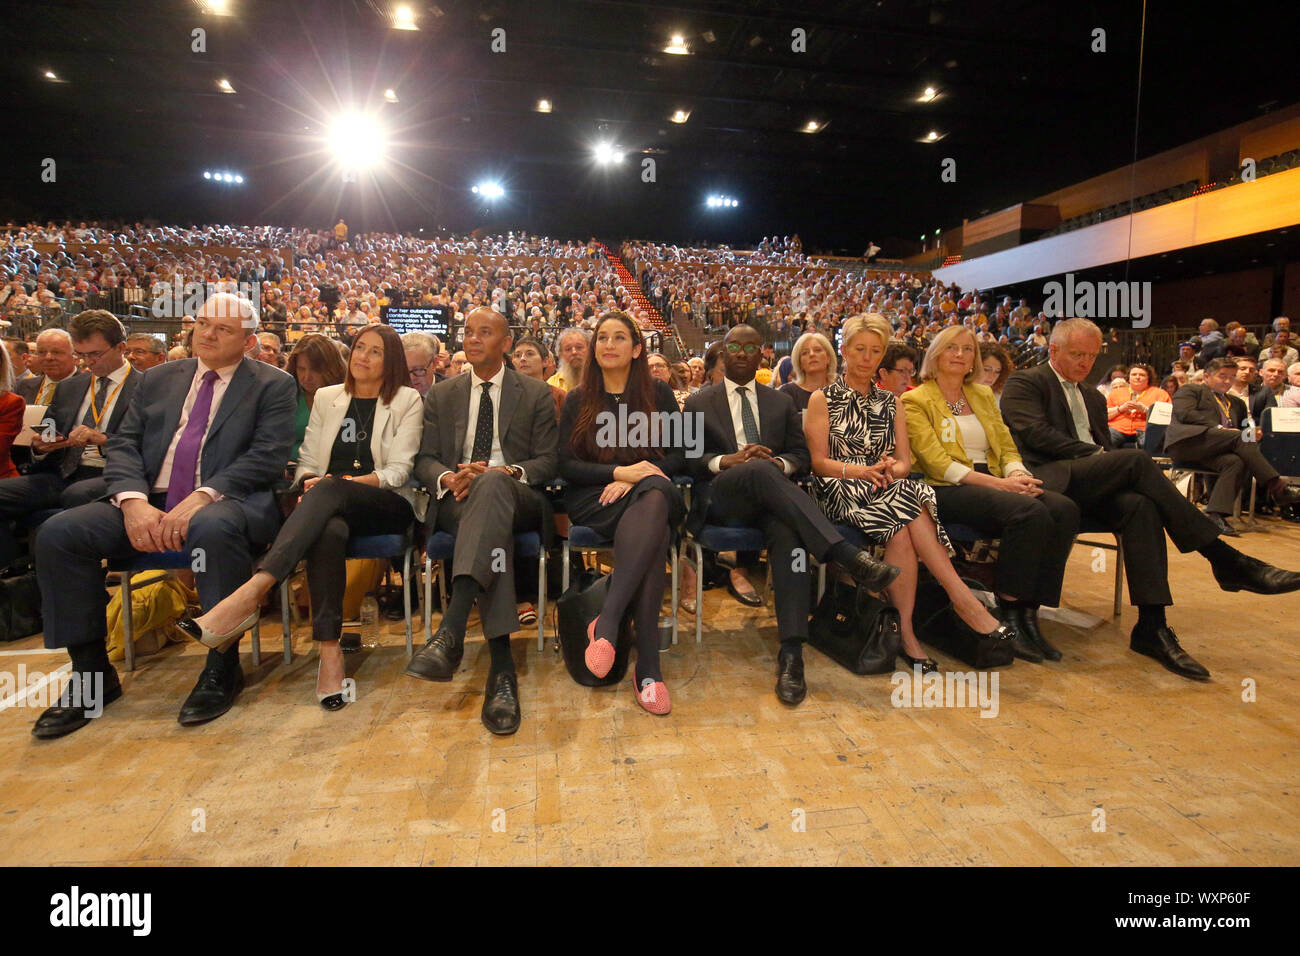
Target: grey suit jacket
526,423
29,388
247,445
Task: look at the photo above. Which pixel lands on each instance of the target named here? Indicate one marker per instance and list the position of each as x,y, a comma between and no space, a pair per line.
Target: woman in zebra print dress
861,459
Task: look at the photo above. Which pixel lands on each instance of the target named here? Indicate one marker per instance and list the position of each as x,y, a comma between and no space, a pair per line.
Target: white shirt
496,458
92,454
224,375
734,398
1066,385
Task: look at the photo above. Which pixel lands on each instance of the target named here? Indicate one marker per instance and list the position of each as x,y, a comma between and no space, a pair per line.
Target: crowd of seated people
188,453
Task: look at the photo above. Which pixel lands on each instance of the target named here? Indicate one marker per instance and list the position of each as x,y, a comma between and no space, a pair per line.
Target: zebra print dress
861,431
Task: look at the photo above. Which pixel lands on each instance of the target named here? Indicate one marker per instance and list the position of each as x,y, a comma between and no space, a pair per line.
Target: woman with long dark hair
619,471
352,467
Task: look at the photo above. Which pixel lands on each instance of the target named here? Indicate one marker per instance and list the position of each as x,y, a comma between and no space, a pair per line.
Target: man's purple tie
185,462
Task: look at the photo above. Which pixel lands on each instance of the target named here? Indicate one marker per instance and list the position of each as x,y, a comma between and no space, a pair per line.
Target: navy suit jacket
68,396
247,444
779,428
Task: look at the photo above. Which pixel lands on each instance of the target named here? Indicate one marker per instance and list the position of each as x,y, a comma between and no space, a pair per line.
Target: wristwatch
516,472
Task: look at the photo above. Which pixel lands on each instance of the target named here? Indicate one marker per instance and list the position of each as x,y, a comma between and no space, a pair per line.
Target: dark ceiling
1025,106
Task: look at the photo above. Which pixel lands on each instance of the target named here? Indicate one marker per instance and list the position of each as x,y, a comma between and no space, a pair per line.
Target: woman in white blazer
353,468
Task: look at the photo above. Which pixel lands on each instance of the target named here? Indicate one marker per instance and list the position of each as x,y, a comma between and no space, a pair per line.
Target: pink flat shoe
600,652
653,697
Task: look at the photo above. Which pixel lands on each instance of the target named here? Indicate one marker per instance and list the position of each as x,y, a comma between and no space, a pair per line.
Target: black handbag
939,625
20,607
856,629
577,608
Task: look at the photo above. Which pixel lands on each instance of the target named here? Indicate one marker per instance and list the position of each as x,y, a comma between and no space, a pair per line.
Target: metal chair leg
257,644
128,622
541,599
406,598
564,571
1119,574
428,599
672,561
286,619
699,593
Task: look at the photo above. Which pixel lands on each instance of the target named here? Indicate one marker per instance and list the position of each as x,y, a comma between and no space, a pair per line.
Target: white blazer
394,439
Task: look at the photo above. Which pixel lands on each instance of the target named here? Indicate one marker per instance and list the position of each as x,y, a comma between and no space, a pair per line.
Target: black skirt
583,505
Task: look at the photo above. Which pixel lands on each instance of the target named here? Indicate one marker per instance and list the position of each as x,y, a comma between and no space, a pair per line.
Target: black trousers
333,511
71,546
758,494
485,524
1126,493
1035,535
1223,451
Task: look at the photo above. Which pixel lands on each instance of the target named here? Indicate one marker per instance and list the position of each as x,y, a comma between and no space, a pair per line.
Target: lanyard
1225,409
98,413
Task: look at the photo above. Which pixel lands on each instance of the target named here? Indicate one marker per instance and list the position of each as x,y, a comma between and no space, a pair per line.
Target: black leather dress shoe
1223,526
750,599
1022,645
501,703
59,721
1025,622
438,659
213,695
1162,644
872,574
1284,495
1241,572
790,686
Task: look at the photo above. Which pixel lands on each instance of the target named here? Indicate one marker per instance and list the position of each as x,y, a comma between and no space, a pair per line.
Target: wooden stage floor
1104,758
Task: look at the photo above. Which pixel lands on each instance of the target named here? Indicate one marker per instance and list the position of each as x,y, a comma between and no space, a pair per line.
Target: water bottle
370,620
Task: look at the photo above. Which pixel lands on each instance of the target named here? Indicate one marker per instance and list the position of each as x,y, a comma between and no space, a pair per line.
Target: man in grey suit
490,442
68,470
190,468
56,362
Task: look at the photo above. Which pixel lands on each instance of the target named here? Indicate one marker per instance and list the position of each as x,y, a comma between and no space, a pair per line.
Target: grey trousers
1223,451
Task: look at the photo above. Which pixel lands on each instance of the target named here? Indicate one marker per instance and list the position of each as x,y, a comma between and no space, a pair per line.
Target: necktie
46,394
747,417
185,461
97,403
483,430
1075,398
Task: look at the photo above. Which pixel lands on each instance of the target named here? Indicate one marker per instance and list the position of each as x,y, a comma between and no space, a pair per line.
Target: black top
362,414
587,479
798,393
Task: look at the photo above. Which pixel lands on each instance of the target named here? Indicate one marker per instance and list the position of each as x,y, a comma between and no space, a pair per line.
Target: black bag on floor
578,607
938,625
20,607
856,629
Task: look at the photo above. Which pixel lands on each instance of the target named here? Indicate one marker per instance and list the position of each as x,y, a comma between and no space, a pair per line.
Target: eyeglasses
90,356
735,348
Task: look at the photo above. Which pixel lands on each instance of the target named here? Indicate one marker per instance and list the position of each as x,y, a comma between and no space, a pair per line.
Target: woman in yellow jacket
966,452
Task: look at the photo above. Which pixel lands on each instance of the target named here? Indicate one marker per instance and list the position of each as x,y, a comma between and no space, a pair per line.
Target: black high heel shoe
927,665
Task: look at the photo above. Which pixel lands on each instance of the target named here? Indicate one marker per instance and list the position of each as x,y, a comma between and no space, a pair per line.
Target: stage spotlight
680,116
357,141
404,18
932,136
228,178
51,75
207,174
677,45
390,96
490,190
605,154
543,106
217,8
929,95
812,126
224,86
238,178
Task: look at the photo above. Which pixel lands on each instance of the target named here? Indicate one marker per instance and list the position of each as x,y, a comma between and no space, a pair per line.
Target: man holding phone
68,446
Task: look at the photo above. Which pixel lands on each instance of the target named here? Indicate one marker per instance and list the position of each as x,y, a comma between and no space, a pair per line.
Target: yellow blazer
935,437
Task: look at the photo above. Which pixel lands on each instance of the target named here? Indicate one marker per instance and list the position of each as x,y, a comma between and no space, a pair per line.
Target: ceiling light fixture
404,18
543,106
680,116
812,126
677,45
390,96
224,86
